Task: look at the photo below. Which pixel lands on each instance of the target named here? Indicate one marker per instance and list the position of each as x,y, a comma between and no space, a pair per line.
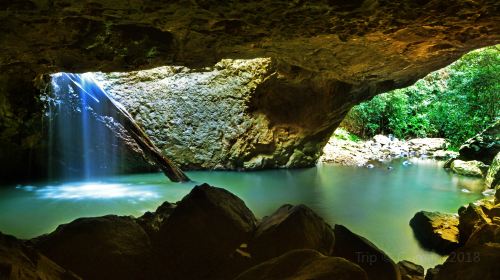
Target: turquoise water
376,203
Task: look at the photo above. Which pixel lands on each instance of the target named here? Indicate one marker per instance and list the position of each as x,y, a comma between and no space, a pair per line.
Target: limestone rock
108,247
471,263
493,176
204,231
304,264
359,250
291,227
19,261
484,234
471,218
411,271
471,168
437,231
484,146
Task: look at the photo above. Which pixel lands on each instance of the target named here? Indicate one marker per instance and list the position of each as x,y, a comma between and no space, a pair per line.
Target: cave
244,106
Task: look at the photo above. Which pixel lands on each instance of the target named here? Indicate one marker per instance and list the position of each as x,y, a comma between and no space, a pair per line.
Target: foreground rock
471,168
108,247
304,264
472,263
151,221
484,146
359,250
201,237
471,218
411,271
291,227
493,176
436,231
21,262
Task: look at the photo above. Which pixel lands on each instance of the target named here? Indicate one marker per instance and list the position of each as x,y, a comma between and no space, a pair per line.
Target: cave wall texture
324,57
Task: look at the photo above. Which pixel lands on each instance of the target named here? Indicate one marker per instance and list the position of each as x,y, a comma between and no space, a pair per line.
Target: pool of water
376,203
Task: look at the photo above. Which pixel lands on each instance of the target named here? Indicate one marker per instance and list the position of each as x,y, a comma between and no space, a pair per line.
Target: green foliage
343,134
455,102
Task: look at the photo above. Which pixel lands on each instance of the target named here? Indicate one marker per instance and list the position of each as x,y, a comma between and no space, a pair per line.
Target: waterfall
81,139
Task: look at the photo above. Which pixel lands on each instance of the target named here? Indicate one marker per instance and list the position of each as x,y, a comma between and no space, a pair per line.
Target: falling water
81,139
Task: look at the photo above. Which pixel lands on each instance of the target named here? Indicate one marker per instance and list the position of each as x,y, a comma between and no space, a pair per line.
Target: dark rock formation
359,250
21,262
201,237
436,231
484,146
411,271
471,263
289,228
432,272
108,247
304,264
325,57
152,221
484,234
471,218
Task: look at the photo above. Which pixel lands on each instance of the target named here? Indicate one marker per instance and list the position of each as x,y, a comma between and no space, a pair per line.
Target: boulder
432,272
205,234
484,146
304,264
472,263
411,271
437,231
470,218
108,247
359,250
291,227
381,139
152,221
484,234
471,168
18,261
493,175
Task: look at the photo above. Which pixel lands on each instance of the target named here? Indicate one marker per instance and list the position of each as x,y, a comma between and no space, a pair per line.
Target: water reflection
92,190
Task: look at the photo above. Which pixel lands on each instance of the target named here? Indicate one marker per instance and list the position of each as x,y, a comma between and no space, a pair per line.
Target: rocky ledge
472,241
382,148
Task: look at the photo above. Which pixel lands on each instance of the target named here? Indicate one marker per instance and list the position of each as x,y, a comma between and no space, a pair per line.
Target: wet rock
471,218
291,227
471,168
411,271
152,221
359,250
484,234
108,247
484,146
471,263
304,264
202,237
493,176
436,231
19,261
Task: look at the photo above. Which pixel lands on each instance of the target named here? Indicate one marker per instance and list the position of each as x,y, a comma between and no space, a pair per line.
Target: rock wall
223,117
326,56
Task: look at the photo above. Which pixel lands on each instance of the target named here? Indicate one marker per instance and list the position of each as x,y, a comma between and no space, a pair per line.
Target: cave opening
93,110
